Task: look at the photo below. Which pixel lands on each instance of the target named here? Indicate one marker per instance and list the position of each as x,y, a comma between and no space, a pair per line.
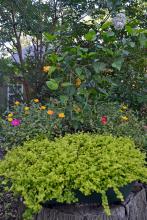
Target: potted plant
72,167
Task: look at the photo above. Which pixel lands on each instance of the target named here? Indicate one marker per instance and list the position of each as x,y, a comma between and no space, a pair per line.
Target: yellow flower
10,115
124,118
46,69
10,119
43,107
124,107
78,82
77,109
26,108
61,115
50,112
36,100
17,103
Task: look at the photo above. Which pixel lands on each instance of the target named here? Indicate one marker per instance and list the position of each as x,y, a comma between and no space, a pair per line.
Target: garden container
95,198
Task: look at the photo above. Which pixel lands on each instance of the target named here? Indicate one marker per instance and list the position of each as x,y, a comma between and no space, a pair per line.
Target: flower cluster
16,121
123,109
49,111
46,69
124,117
13,121
119,21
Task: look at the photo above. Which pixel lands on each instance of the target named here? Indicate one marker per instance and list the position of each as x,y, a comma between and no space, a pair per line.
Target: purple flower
119,21
15,122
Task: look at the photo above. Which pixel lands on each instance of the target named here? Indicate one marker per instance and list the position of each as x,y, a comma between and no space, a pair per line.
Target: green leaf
51,70
129,29
132,44
106,25
110,34
108,51
143,40
63,99
66,84
91,54
90,36
99,66
117,64
49,37
52,84
78,71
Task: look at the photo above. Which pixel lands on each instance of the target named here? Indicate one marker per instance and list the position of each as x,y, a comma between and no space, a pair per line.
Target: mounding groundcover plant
55,170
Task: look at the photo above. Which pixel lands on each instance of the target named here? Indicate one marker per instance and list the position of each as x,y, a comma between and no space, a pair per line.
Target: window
14,92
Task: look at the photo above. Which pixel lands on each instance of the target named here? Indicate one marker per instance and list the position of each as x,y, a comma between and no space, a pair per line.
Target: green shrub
120,120
45,170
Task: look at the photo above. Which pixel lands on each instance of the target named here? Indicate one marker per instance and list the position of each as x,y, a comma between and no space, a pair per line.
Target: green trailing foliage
46,170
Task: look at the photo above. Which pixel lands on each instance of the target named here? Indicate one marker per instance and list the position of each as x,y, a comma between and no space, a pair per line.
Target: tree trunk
134,208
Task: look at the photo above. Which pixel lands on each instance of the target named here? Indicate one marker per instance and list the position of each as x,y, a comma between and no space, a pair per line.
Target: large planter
134,208
95,198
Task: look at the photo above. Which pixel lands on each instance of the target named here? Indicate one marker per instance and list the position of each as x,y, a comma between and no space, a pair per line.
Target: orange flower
17,103
36,100
50,112
78,82
61,115
43,107
46,69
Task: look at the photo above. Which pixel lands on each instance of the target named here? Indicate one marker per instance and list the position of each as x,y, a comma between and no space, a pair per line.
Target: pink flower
15,122
104,120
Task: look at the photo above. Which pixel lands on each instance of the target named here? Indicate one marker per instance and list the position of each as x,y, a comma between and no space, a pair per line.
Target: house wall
3,98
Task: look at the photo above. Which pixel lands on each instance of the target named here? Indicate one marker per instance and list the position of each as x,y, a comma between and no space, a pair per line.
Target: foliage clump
46,170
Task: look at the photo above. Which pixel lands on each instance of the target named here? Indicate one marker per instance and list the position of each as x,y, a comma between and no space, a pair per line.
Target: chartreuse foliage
45,170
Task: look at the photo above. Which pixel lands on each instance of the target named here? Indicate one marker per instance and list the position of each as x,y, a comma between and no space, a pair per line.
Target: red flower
104,120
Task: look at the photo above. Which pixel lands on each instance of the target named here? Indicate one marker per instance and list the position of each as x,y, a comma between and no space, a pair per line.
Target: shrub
122,121
46,170
108,118
50,120
26,122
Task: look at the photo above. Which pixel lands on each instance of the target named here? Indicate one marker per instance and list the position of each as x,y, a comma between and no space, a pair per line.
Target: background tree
59,38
